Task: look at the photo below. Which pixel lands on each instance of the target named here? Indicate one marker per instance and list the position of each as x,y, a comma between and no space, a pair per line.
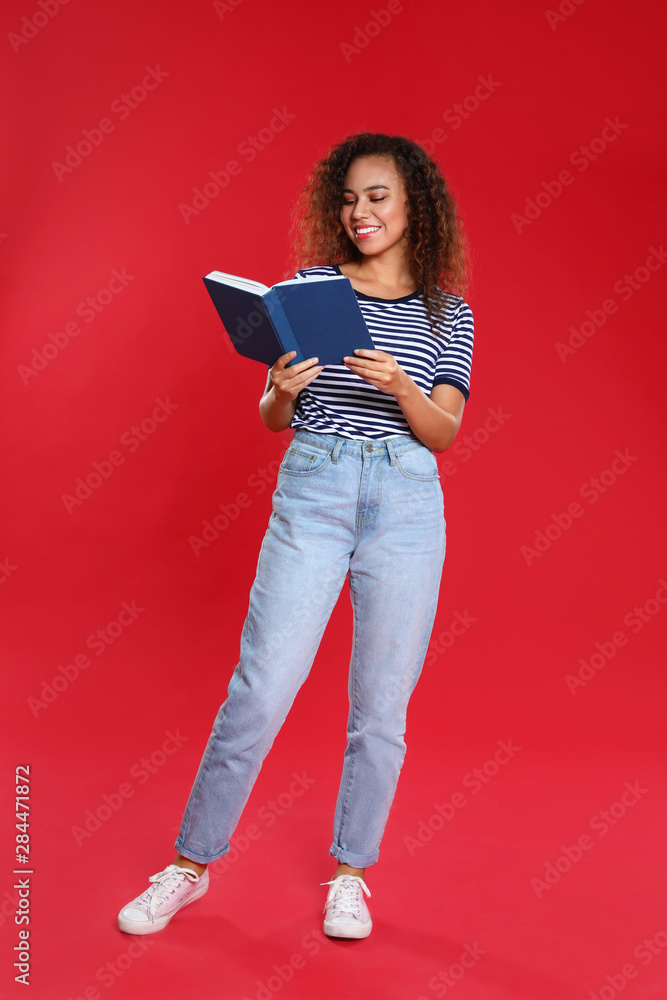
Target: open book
316,317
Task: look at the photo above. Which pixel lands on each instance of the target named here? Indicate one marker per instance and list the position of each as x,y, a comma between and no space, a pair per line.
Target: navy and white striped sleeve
455,362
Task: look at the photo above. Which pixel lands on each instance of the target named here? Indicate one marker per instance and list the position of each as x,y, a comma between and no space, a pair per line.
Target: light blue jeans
371,509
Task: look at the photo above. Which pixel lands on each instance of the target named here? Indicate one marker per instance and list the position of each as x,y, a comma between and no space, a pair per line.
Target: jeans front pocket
418,463
301,460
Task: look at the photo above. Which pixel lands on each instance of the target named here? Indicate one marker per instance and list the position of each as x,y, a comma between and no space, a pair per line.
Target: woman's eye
370,199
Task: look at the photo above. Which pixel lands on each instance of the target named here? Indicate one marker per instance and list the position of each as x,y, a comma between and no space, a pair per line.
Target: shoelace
346,897
165,883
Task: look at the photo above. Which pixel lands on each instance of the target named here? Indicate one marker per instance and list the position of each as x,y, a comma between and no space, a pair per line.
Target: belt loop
390,452
336,451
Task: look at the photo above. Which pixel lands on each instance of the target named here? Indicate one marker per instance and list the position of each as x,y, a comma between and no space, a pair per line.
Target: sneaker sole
355,930
153,926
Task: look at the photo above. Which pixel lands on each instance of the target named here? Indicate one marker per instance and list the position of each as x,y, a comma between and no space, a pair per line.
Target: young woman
358,493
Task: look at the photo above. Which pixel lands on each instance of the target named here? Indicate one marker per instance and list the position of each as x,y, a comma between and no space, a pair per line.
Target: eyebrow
372,187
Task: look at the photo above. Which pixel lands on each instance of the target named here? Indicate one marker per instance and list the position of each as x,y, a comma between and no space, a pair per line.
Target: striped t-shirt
342,403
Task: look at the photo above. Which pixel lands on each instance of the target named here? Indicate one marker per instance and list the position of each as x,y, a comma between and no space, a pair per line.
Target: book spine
281,324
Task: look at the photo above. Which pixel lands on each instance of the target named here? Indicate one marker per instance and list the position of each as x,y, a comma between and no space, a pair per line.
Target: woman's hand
434,419
380,369
288,382
278,404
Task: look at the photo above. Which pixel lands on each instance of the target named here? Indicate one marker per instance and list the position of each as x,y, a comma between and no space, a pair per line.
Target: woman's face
374,211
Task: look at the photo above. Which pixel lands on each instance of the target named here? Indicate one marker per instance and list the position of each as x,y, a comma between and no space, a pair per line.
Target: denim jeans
373,509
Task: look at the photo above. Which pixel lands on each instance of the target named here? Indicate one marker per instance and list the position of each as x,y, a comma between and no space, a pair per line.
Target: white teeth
368,229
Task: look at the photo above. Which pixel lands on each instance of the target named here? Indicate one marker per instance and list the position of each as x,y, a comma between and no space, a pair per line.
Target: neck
392,271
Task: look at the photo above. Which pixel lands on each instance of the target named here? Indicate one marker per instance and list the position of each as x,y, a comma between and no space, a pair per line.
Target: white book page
321,277
246,284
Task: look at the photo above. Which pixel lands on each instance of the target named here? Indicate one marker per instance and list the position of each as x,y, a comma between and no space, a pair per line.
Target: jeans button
369,447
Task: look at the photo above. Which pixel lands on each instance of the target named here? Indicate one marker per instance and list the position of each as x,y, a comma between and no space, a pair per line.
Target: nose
359,211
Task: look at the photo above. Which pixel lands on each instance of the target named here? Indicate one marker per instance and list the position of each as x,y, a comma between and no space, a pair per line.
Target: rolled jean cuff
353,860
201,859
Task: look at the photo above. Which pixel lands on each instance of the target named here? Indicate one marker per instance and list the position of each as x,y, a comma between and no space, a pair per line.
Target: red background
553,81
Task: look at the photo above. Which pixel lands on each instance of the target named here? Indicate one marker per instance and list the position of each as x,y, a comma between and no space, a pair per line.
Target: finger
287,378
311,377
303,366
364,352
377,376
376,385
372,381
300,380
361,364
283,360
294,369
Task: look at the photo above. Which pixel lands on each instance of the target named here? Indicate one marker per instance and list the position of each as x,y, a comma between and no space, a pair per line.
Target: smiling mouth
366,231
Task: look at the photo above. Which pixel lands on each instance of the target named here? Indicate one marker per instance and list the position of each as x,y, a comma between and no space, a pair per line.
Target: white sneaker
172,889
346,912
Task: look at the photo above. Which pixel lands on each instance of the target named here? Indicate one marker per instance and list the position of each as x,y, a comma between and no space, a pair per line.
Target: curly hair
437,244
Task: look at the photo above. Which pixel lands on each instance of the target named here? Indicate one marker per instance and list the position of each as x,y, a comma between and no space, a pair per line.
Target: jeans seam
379,494
183,832
361,521
353,720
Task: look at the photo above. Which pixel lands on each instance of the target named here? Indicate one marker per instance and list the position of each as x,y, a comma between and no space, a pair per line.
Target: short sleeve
455,362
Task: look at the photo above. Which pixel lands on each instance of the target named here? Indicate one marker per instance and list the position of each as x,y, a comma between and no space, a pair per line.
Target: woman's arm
278,404
434,419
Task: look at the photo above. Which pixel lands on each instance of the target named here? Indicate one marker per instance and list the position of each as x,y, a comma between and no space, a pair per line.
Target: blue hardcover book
316,317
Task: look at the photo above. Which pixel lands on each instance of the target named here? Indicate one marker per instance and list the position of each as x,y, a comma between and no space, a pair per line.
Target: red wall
547,126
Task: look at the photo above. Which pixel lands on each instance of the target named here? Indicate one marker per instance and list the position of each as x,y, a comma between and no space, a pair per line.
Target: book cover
316,317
